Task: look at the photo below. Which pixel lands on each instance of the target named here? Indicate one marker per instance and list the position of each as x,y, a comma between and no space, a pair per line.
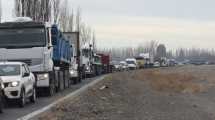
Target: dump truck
82,58
105,60
43,47
140,62
97,65
149,59
87,59
76,57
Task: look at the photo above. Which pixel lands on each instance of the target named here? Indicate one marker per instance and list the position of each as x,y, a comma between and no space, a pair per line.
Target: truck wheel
74,80
33,97
79,79
22,99
51,90
1,105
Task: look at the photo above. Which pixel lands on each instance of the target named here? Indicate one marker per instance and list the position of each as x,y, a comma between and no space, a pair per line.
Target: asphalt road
13,112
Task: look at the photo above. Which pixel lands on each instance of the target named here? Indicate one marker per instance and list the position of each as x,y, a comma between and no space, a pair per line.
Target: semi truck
149,59
83,55
87,59
43,47
140,62
76,64
97,65
105,60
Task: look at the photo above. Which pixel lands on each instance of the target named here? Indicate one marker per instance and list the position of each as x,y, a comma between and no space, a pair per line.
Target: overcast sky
118,23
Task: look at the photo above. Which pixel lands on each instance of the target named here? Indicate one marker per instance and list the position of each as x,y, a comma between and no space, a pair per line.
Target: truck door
26,79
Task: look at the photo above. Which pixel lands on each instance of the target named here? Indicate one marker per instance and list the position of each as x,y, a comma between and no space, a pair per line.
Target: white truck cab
124,65
132,63
19,82
87,59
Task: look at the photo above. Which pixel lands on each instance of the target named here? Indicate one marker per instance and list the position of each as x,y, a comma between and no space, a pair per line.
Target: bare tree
38,10
94,41
71,22
78,20
66,18
161,51
0,11
64,15
85,33
56,10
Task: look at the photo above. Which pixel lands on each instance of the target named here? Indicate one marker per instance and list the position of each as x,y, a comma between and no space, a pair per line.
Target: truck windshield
9,70
139,58
24,37
130,62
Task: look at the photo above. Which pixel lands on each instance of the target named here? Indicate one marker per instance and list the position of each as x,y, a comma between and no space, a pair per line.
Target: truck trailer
76,57
106,67
43,47
83,55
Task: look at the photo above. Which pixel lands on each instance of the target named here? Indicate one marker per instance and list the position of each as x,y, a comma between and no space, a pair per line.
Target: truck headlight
87,68
43,76
72,72
13,84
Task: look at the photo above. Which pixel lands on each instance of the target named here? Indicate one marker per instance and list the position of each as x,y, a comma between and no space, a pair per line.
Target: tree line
160,50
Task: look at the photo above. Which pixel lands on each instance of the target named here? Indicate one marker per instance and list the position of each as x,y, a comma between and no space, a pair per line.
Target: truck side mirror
26,74
49,47
57,68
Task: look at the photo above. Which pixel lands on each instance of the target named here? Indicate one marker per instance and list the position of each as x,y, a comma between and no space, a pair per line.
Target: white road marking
72,95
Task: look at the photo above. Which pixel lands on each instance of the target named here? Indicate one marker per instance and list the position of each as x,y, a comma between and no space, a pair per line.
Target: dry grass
170,82
161,80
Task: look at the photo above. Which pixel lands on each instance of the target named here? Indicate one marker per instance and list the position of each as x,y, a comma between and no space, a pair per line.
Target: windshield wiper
20,47
16,47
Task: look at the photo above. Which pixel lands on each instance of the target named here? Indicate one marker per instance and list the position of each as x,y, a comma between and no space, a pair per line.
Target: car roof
130,59
11,63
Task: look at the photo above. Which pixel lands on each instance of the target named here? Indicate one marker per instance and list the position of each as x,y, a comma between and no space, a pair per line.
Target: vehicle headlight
72,72
14,84
87,68
43,76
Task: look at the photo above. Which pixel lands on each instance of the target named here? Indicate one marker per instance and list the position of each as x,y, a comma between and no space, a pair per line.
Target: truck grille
29,62
6,85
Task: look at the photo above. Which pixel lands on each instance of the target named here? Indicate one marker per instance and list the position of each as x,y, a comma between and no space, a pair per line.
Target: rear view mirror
26,74
57,68
49,47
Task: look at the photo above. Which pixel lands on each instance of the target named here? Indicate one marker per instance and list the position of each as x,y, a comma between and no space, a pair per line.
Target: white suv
19,82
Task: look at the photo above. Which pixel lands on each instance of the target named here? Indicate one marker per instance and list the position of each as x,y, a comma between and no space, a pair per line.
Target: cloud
7,8
191,9
177,23
187,33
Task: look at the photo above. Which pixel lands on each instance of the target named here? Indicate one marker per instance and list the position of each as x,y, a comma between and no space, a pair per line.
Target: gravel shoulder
180,93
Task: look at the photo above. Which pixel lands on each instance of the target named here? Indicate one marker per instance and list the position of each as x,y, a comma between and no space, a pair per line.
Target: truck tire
1,104
51,90
33,97
74,80
79,79
22,99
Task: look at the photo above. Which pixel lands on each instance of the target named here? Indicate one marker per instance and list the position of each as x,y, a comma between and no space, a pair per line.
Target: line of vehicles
36,58
144,60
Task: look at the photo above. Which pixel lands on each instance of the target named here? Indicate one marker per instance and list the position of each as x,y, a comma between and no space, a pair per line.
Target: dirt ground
178,93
